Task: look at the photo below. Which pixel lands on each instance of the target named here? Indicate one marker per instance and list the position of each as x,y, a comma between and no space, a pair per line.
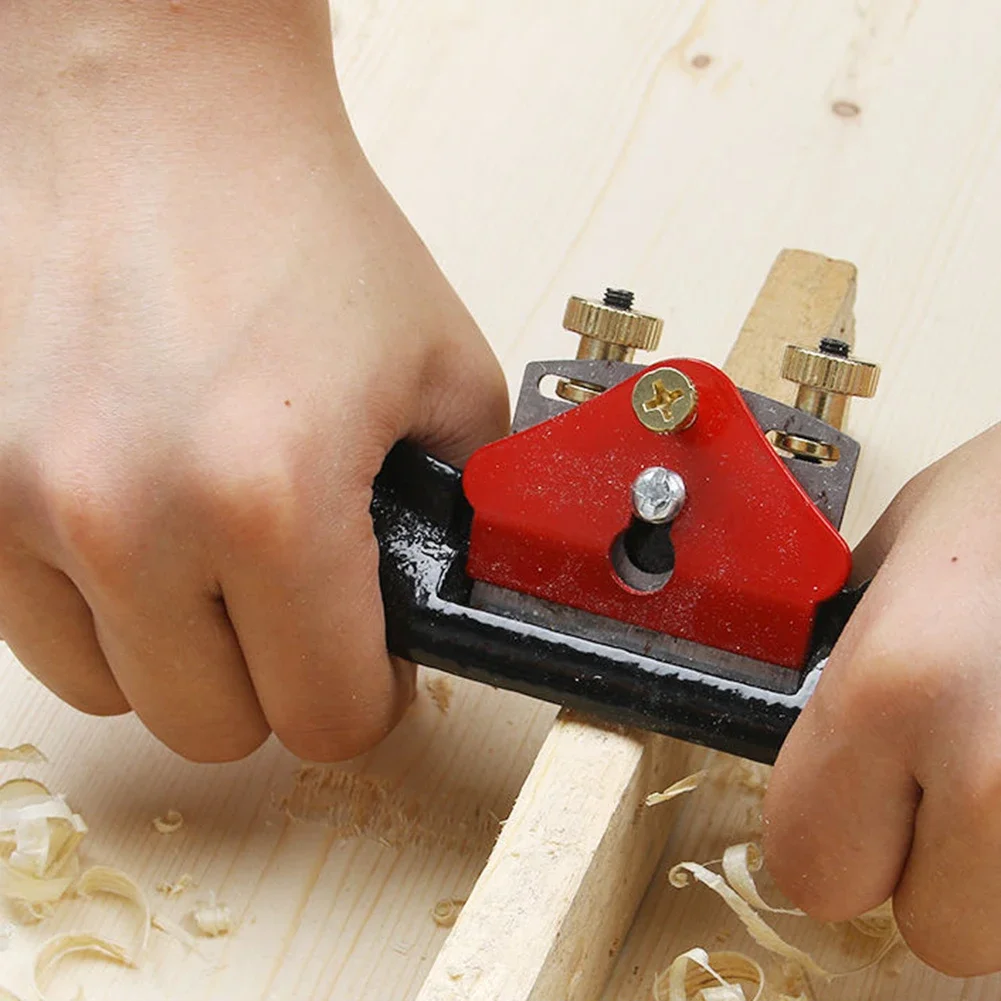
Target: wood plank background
673,146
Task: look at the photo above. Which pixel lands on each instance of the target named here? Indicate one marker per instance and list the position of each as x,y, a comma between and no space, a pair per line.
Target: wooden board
549,149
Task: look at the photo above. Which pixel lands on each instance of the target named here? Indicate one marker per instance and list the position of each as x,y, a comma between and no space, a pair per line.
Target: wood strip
805,297
553,905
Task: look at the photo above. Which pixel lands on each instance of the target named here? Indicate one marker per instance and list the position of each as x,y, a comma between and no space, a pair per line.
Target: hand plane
651,544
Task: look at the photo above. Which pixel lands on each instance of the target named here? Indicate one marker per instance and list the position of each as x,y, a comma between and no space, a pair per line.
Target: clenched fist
214,324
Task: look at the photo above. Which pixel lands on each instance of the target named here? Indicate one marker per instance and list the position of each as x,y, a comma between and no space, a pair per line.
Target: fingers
300,579
176,658
842,799
49,627
889,783
948,903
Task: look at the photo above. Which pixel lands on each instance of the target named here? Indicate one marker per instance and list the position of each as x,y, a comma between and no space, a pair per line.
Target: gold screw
828,378
665,400
609,331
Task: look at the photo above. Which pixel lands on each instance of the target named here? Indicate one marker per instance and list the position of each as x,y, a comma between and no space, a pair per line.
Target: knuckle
334,739
214,745
88,510
248,489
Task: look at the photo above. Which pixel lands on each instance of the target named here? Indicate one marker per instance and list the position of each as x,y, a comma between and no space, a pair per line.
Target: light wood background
545,148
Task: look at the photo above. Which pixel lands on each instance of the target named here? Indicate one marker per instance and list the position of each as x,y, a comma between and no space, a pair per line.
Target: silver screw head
658,495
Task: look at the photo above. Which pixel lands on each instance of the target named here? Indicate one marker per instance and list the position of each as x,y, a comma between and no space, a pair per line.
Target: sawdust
440,691
355,805
171,890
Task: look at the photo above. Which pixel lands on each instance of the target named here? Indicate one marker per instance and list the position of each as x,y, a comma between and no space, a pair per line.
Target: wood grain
541,150
560,891
805,297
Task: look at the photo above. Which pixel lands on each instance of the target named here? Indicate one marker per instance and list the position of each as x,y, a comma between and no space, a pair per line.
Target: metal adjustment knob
828,378
609,330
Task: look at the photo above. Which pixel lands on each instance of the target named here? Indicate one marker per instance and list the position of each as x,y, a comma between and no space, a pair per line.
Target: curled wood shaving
29,914
170,823
56,949
5,995
739,862
39,837
446,912
6,936
171,890
24,754
104,879
697,976
762,933
741,895
19,886
211,918
688,784
99,879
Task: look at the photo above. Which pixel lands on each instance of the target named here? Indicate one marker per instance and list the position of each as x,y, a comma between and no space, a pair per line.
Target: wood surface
557,897
542,150
550,912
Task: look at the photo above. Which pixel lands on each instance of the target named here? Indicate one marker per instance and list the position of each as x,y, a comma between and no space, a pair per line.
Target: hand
214,323
890,782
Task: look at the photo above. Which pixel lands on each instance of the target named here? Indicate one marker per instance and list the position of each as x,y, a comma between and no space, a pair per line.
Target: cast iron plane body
506,574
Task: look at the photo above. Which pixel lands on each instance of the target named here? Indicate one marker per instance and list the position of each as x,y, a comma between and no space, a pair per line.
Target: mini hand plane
651,545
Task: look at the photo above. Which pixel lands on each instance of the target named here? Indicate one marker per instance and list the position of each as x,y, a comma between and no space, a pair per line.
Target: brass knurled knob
610,324
828,378
829,373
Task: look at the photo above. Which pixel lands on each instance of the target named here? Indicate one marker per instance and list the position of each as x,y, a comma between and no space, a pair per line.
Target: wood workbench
544,149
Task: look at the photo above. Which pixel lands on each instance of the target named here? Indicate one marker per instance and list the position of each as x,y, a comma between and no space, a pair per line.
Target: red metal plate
753,555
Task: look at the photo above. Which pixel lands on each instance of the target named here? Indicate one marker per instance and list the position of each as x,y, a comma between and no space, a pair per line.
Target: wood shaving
170,927
24,913
739,864
688,784
6,936
739,892
446,912
211,918
24,754
56,949
5,995
171,890
104,879
440,690
39,838
697,976
170,823
357,805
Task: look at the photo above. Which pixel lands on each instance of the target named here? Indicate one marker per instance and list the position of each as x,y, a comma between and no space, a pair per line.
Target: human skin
214,323
890,782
